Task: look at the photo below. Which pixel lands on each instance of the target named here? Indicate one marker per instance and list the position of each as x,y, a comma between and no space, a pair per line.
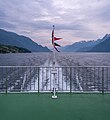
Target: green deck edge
43,107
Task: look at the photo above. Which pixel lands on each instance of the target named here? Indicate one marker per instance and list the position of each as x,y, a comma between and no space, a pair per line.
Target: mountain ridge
87,46
13,39
104,46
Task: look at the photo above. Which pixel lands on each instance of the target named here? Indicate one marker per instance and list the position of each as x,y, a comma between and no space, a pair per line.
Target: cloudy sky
74,20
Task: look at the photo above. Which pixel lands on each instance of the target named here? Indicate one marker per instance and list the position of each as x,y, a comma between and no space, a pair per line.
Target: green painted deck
43,107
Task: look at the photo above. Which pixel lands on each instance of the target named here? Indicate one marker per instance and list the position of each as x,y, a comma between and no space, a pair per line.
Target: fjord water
63,58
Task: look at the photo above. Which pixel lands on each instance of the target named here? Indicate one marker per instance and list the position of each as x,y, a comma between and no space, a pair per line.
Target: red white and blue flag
55,39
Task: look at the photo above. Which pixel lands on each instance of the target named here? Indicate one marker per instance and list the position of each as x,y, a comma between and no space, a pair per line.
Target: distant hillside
12,49
13,39
103,46
88,46
78,46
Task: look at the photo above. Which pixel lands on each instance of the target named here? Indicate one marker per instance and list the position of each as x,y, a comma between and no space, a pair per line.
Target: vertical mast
54,70
53,47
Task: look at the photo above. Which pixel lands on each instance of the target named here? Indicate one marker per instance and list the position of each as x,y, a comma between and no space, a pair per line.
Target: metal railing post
6,81
102,80
107,80
38,80
6,86
70,80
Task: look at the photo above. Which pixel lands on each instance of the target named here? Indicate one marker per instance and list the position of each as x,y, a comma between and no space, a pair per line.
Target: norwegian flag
54,39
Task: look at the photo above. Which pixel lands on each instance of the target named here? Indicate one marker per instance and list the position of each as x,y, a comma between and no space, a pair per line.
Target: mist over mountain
13,39
99,45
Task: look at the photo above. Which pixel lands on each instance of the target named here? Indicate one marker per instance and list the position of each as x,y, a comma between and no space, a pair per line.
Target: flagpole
54,70
54,50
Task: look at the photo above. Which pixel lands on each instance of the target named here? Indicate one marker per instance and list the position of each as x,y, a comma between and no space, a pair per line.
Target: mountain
13,39
79,46
85,46
103,46
12,49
